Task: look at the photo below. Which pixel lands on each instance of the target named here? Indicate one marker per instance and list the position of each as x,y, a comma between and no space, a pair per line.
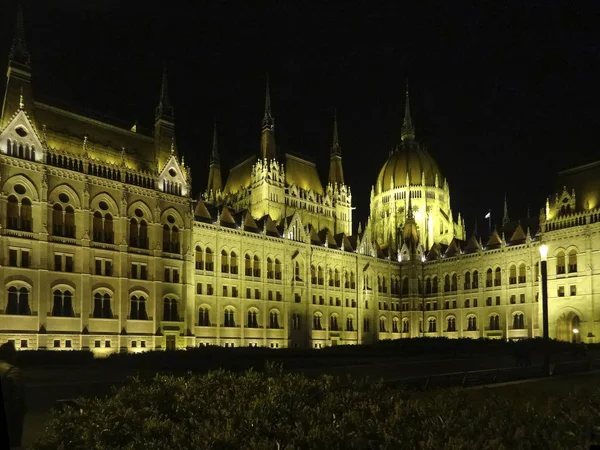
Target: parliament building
103,248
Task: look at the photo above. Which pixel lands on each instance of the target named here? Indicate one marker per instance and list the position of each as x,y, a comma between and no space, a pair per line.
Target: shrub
273,410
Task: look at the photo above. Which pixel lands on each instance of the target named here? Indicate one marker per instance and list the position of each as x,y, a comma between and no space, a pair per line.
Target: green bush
32,358
273,410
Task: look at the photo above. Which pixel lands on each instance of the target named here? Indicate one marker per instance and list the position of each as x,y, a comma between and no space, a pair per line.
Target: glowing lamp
544,252
575,330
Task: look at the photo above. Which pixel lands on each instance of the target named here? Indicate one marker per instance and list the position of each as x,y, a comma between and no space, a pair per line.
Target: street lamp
544,273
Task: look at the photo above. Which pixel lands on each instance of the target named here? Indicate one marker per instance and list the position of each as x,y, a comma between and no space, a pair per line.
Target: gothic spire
214,156
164,109
215,181
408,130
268,147
336,150
268,121
18,50
505,218
336,172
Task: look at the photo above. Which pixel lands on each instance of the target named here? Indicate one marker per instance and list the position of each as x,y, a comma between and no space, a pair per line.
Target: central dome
408,160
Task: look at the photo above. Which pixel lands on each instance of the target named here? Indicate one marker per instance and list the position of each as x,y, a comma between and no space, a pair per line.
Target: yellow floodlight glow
544,252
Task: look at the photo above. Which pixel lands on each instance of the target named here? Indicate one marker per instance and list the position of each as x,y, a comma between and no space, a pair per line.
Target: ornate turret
268,148
19,93
408,130
505,218
336,173
410,234
215,183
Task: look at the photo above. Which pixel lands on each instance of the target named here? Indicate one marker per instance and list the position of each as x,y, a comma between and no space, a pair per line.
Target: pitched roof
472,245
494,241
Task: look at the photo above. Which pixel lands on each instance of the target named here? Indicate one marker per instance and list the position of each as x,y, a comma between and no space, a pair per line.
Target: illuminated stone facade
102,247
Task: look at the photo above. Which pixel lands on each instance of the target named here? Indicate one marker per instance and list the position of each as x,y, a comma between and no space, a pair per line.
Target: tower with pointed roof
164,125
268,149
337,189
215,186
19,91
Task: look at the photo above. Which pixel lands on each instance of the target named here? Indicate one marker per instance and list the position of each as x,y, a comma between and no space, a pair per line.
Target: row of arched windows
334,278
19,214
20,150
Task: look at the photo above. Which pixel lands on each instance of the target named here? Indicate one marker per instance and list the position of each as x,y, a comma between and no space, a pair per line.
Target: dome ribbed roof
408,159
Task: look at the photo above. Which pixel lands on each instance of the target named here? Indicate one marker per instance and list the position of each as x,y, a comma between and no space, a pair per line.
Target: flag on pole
488,215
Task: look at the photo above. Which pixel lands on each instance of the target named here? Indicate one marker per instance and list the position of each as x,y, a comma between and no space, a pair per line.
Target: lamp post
544,273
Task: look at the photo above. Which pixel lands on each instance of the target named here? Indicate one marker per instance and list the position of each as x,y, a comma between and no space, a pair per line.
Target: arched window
522,273
274,320
518,321
199,258
405,325
138,234
498,277
297,271
330,277
203,317
454,283
451,324
333,323
366,325
349,323
12,213
210,262
475,283
170,313
320,275
18,301
233,263
170,239
224,262
69,222
432,325
405,286
378,283
57,220
537,271
560,262
256,266
277,269
395,325
494,322
427,285
63,304
447,283
313,275
102,227
248,265
489,278
317,322
26,215
434,285
138,308
336,275
512,276
102,306
352,280
467,283
471,323
252,319
270,273
228,318
572,261
382,325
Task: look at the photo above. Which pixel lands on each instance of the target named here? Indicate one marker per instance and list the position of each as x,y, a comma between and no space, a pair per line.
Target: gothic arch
170,211
64,188
31,191
106,197
147,212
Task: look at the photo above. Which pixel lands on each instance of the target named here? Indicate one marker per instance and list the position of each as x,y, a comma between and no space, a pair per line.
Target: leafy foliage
274,410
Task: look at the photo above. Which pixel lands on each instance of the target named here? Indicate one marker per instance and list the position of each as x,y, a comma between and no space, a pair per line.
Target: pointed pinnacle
214,157
408,130
164,104
18,50
335,146
268,118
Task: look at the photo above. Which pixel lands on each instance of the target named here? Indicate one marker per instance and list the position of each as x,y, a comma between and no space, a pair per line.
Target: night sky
503,94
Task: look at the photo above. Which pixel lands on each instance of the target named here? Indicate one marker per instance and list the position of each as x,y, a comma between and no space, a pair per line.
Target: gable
20,139
295,230
172,180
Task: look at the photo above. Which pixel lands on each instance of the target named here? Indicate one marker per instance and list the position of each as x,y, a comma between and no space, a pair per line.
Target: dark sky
503,93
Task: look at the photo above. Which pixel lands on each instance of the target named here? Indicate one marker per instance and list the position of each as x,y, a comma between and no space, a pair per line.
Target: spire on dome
164,110
18,50
268,148
408,130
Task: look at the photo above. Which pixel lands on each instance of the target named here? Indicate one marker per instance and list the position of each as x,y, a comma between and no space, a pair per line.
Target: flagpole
490,222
